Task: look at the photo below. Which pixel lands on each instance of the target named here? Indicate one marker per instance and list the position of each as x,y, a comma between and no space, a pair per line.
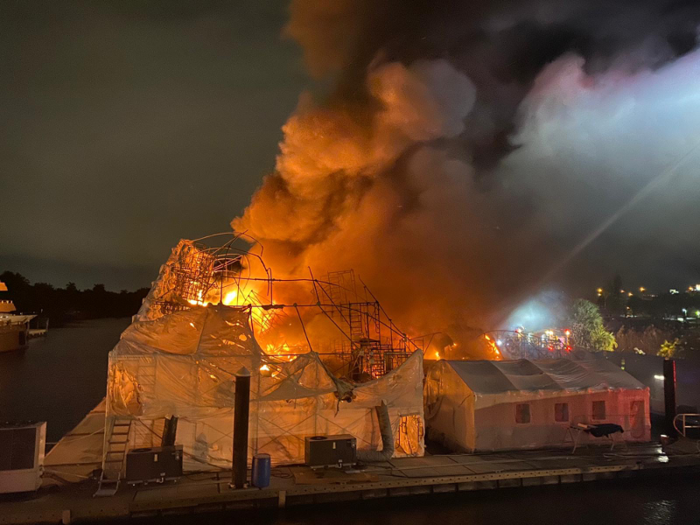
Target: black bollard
240,429
670,395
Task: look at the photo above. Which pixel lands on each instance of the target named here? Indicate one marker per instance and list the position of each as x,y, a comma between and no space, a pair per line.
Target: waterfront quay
300,485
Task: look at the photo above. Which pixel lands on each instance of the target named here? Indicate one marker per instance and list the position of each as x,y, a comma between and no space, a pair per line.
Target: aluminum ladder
115,443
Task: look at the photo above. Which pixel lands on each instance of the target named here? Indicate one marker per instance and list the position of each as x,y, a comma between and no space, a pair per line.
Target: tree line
61,305
649,335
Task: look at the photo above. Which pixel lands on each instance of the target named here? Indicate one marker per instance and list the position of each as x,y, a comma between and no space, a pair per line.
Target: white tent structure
184,364
504,405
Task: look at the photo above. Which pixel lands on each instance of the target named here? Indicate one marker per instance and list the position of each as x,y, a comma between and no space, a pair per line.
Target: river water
59,378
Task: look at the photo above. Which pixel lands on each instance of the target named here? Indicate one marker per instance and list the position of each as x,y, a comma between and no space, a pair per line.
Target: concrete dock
299,485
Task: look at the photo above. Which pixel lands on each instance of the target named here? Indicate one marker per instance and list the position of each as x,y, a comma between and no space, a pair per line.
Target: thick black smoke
425,167
500,45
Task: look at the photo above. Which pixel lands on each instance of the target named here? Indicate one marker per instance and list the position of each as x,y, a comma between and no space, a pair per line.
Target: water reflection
660,512
59,378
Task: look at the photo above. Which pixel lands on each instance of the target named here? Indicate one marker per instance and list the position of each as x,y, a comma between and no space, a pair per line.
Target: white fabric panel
449,408
214,331
79,452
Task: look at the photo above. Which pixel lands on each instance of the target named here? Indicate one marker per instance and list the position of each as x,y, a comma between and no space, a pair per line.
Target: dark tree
61,305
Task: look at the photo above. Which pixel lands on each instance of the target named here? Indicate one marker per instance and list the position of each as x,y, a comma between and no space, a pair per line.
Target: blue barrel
261,471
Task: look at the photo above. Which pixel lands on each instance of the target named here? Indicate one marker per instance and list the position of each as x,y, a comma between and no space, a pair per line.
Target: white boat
14,328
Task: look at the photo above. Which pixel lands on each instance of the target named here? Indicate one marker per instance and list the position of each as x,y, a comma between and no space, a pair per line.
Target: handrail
685,426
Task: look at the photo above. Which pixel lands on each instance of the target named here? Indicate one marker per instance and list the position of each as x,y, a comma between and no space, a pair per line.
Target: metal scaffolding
368,343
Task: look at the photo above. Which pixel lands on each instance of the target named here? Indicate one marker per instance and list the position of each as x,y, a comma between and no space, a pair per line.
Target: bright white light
673,291
499,342
659,377
538,312
629,125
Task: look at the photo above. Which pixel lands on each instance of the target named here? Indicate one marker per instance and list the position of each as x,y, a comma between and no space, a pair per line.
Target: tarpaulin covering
184,364
79,452
500,405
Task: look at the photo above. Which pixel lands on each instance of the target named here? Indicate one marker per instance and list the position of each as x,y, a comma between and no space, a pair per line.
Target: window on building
522,413
598,410
637,415
561,412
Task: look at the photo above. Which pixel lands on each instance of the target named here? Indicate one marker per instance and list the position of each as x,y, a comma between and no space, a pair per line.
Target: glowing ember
282,351
199,301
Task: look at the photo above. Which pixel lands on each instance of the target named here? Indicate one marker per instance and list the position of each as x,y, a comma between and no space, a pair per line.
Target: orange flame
493,347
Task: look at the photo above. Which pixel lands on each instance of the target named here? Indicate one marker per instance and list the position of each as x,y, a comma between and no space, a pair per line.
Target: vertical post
169,432
240,429
670,394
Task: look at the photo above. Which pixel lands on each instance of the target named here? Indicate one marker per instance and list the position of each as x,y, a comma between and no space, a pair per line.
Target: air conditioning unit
330,451
21,456
154,464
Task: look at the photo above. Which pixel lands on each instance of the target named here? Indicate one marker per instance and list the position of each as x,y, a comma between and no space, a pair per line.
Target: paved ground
299,484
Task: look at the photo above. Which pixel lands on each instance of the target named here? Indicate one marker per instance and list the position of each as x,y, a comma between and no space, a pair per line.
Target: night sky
129,125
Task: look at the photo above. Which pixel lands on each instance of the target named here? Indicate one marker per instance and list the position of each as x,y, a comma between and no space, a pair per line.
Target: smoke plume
467,147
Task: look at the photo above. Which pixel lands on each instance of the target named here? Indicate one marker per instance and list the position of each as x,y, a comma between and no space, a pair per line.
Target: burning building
345,321
200,325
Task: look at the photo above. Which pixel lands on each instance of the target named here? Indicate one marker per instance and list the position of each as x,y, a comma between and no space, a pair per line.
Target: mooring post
670,395
240,429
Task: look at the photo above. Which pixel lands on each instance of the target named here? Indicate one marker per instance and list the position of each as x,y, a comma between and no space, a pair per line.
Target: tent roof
205,331
555,375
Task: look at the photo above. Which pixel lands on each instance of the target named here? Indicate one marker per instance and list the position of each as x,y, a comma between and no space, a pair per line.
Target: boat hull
13,338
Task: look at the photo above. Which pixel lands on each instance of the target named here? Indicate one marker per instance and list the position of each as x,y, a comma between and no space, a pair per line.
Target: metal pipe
387,438
670,395
240,429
